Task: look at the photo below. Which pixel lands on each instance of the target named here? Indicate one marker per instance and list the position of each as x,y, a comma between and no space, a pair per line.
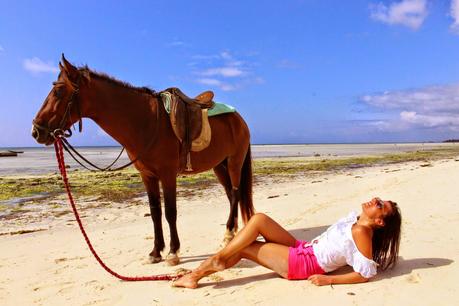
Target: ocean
42,160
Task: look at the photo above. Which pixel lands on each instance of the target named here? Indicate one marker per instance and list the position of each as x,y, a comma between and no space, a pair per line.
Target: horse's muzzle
42,136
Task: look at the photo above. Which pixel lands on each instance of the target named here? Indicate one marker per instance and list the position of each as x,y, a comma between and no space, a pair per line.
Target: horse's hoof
154,259
172,259
229,235
224,242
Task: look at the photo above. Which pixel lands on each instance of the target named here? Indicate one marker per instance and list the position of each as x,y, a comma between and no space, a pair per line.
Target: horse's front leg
170,205
152,187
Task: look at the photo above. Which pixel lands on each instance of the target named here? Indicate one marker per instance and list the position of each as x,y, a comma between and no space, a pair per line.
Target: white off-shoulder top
336,248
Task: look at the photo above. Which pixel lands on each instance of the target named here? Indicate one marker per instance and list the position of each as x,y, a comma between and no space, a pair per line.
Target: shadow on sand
407,266
197,258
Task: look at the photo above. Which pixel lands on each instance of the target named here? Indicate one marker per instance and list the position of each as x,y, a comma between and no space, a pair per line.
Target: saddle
190,123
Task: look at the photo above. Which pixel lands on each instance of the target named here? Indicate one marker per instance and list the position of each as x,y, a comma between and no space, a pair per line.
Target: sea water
42,160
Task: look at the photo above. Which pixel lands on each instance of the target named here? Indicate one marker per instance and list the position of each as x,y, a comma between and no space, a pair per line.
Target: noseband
61,131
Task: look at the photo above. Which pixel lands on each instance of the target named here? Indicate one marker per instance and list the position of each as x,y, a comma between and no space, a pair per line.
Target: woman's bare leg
259,224
244,245
270,255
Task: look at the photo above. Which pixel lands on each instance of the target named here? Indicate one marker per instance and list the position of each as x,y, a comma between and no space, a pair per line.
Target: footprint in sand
413,278
95,302
215,278
65,290
62,259
91,283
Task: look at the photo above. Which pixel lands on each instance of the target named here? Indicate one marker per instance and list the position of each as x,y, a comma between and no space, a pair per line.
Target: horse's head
61,108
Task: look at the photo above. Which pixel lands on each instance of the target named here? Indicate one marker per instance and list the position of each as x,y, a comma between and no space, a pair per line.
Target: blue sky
298,71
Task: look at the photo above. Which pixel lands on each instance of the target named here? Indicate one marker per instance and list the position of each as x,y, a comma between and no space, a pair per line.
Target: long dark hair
386,240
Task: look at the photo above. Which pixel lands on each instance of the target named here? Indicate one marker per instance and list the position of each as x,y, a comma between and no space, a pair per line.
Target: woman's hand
348,278
320,279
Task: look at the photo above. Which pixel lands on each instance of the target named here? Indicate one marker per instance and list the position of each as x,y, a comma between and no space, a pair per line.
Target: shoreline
41,160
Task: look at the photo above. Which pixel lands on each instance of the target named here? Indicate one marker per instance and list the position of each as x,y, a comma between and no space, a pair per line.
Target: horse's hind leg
221,171
152,186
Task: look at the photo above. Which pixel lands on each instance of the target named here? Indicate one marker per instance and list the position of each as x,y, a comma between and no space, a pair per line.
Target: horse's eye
58,92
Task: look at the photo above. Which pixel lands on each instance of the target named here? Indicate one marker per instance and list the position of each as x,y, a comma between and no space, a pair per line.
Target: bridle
61,131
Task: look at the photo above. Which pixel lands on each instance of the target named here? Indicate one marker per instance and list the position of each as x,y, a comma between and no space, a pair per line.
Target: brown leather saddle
189,121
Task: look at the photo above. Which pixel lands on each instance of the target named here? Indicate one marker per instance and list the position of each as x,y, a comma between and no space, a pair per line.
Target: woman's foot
209,266
189,281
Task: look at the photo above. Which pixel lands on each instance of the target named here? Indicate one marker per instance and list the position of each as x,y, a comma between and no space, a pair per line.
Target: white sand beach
55,267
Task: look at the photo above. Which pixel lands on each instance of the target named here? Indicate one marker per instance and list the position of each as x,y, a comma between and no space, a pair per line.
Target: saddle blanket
220,108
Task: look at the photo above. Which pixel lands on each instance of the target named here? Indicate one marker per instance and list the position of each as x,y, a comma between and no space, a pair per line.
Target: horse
136,118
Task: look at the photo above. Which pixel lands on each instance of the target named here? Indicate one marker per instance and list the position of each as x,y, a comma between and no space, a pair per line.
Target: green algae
127,184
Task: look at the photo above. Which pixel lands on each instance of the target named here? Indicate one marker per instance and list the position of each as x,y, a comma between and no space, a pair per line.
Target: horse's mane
116,82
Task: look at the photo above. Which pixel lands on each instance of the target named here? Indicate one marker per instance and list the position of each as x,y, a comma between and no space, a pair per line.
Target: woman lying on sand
353,240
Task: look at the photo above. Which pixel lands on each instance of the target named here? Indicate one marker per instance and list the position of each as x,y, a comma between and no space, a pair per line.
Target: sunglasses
379,203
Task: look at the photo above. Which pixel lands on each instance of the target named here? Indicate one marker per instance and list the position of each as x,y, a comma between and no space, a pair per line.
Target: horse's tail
245,188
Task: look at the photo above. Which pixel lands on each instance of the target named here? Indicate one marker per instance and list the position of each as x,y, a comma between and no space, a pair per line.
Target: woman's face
377,209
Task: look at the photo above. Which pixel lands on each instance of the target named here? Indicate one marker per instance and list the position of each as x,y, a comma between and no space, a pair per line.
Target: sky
300,71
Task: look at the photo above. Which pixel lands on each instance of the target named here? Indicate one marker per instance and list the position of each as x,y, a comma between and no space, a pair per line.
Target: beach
50,264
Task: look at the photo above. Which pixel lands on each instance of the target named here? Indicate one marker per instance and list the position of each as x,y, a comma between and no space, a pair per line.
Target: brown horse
137,119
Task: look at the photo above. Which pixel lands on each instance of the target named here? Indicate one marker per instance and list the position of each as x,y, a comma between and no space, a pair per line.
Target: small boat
8,154
14,151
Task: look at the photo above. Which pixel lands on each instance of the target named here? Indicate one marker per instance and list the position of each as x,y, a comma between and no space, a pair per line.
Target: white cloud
428,99
205,57
224,70
409,13
1,48
177,43
428,107
451,121
226,55
455,15
36,65
227,72
214,82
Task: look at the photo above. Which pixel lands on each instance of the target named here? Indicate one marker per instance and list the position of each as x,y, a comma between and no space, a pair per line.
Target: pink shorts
302,262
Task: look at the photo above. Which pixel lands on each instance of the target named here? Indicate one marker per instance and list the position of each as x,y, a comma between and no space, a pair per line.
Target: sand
55,267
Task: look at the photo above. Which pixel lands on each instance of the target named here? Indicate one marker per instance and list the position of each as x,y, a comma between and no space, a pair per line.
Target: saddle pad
220,108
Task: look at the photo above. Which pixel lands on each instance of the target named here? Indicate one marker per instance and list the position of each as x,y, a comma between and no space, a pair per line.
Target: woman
363,241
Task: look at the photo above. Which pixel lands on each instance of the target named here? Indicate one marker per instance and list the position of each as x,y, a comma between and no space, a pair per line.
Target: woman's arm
348,278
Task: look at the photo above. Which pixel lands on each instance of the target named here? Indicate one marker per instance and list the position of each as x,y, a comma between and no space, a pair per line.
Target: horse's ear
61,68
72,71
86,75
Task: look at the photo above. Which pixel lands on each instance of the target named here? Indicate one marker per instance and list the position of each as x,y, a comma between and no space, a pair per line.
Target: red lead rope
61,163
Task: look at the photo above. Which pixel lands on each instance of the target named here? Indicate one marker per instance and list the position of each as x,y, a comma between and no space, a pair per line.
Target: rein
58,145
69,148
